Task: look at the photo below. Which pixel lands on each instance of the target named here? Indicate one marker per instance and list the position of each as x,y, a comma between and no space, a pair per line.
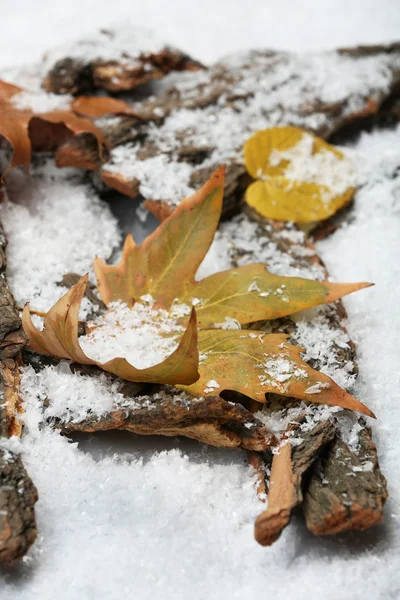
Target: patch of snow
55,224
143,335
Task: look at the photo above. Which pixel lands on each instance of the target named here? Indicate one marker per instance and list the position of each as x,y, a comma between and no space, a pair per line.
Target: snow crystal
70,396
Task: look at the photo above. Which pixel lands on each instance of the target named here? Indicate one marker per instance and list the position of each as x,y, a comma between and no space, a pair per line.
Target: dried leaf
15,127
251,293
168,259
254,363
60,338
164,267
312,192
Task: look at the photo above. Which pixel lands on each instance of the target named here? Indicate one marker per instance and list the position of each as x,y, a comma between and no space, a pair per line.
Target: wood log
169,412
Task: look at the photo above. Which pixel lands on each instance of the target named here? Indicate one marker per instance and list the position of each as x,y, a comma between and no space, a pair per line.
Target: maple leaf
163,268
60,338
26,129
301,177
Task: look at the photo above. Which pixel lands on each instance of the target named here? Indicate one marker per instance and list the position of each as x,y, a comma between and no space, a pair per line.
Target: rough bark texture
12,337
210,420
125,71
17,498
285,488
249,92
346,489
17,492
366,490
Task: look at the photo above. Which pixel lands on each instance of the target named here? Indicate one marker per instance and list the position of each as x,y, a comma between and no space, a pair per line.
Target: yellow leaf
60,338
301,178
254,363
164,267
165,263
251,293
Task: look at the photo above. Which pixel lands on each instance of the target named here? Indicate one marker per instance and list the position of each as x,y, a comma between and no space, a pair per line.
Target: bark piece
115,60
346,490
209,420
17,492
12,337
285,488
17,498
206,118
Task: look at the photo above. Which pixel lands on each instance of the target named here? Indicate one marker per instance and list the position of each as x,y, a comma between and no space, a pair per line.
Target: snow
157,517
145,336
267,90
323,168
55,224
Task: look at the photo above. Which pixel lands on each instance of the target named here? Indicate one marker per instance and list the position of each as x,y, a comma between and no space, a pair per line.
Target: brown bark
218,89
72,75
17,499
17,492
346,490
209,420
285,488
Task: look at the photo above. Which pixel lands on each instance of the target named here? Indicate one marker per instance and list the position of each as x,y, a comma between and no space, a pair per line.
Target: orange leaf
60,338
254,363
15,126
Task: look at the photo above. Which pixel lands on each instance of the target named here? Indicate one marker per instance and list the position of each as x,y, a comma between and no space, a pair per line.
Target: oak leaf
163,268
300,177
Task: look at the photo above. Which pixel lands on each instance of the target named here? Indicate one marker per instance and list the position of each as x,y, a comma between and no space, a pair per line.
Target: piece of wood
103,62
347,490
211,420
264,89
17,499
288,468
17,492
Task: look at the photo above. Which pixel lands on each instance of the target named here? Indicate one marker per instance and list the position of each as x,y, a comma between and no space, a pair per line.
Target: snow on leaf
251,293
237,360
157,277
60,338
299,176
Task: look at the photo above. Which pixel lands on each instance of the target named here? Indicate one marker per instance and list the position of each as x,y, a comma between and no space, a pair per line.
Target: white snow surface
145,336
55,224
158,518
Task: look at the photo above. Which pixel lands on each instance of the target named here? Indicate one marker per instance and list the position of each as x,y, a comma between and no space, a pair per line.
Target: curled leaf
19,126
301,178
59,338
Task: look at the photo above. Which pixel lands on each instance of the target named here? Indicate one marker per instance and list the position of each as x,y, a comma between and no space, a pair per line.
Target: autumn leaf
60,338
161,271
255,363
300,177
24,128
